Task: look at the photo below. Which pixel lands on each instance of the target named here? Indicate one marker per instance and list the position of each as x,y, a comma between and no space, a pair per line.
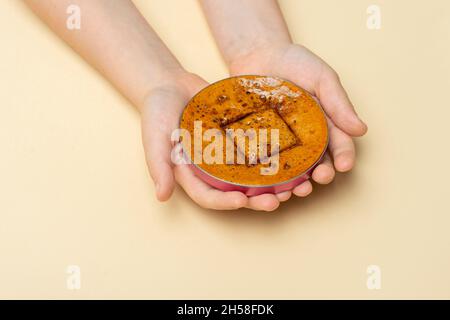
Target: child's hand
301,66
254,39
160,116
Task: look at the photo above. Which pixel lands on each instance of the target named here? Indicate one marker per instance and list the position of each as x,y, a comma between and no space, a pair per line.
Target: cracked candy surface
260,102
267,119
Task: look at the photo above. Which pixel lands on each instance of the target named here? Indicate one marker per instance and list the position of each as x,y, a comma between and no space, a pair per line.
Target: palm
294,63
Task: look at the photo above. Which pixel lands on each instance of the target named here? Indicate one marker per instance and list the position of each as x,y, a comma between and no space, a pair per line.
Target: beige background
74,188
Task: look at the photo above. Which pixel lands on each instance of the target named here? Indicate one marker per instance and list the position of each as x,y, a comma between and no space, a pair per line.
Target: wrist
171,79
180,83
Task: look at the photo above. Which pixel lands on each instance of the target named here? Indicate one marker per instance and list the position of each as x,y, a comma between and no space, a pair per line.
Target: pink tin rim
254,189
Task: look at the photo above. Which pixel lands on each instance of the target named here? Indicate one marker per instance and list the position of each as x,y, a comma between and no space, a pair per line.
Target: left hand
161,112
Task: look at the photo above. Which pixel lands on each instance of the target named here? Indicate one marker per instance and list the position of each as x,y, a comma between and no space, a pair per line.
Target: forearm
242,26
116,40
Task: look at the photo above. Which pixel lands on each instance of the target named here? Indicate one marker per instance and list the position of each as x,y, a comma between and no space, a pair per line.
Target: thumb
157,125
337,105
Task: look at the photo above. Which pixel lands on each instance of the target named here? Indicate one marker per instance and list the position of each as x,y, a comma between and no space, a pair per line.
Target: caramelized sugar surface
260,103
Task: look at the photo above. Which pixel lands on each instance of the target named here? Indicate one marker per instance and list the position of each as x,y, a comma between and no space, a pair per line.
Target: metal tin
254,190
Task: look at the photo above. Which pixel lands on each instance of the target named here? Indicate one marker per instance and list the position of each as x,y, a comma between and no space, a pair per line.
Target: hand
302,67
160,116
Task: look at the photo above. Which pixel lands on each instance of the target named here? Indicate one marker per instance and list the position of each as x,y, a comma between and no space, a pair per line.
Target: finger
324,173
206,196
263,202
337,105
284,196
342,148
303,189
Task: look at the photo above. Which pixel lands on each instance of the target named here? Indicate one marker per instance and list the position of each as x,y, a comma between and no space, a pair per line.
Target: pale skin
253,39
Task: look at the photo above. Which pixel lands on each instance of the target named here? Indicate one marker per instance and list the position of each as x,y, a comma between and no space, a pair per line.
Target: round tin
254,190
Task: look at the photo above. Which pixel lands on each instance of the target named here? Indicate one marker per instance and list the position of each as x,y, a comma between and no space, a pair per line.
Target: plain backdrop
74,187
